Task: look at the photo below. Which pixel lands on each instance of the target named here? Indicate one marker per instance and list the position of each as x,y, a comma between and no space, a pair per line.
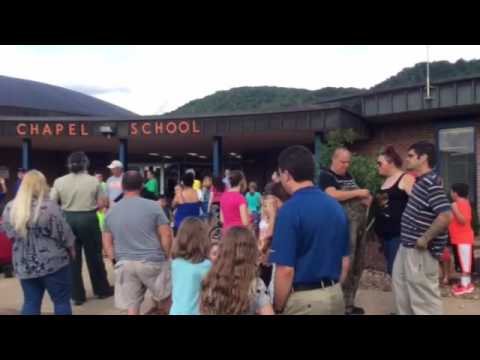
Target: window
457,158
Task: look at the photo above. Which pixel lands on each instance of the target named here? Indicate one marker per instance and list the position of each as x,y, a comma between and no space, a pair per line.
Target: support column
26,154
123,153
162,179
318,151
217,155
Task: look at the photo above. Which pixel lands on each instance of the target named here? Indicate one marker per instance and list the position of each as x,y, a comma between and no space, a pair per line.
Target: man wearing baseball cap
114,182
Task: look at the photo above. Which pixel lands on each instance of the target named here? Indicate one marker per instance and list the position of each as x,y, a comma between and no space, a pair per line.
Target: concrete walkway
375,302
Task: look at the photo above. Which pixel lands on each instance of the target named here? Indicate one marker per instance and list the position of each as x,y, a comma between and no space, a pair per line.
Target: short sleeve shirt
114,187
230,203
152,186
45,249
311,235
133,222
462,233
328,179
426,202
254,202
77,192
186,285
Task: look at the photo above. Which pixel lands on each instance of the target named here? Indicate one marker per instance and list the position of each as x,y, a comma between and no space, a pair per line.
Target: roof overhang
246,131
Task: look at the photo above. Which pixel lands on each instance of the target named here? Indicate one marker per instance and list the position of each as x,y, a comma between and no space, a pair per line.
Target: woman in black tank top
390,202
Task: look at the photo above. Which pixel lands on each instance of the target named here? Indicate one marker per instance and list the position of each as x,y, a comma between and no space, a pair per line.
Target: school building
41,124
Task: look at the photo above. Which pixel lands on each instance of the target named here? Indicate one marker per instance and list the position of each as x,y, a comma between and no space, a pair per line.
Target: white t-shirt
114,188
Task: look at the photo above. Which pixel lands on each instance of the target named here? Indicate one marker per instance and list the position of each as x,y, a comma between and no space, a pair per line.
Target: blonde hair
33,186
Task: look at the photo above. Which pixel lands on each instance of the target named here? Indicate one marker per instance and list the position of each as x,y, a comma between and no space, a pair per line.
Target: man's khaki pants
416,287
327,301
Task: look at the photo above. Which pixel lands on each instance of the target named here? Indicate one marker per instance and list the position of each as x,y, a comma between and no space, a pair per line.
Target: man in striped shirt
423,237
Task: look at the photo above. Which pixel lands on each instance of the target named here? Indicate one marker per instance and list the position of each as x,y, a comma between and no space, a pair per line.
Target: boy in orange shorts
461,234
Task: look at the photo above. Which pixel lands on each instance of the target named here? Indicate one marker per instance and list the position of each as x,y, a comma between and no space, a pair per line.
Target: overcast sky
152,80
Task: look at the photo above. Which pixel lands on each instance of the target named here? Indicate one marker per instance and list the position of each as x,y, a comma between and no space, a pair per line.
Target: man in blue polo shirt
424,236
310,244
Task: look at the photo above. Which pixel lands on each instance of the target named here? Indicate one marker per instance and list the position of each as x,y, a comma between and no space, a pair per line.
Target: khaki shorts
133,278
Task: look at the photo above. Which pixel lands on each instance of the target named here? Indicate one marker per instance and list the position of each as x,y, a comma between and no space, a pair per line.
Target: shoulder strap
400,179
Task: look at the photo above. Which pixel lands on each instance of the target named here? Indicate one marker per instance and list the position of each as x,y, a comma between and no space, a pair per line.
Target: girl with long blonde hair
43,245
232,287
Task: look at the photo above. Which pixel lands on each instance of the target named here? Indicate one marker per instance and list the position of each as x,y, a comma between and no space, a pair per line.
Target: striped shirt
427,201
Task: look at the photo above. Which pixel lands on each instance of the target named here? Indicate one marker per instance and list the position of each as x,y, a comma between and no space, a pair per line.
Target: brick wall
402,136
399,135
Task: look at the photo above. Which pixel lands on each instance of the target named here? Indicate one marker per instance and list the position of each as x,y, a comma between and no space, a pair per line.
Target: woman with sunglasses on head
390,202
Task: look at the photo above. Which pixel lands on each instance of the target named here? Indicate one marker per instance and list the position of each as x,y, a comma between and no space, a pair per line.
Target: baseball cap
115,164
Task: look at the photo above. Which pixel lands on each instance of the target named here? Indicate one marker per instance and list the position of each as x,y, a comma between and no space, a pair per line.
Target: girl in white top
275,196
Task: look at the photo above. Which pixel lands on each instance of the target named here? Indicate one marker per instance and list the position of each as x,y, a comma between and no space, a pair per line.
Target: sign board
132,128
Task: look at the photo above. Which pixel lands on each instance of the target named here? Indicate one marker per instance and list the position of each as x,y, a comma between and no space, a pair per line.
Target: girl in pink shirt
233,206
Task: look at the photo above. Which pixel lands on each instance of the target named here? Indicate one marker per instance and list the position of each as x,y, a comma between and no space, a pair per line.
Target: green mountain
439,70
270,98
260,98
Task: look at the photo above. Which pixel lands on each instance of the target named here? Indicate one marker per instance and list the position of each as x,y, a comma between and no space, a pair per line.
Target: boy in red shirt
461,234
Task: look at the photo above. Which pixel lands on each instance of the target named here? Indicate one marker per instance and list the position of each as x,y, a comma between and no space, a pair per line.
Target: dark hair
392,156
191,242
425,148
187,179
298,161
278,191
218,184
461,189
77,162
236,176
132,181
252,184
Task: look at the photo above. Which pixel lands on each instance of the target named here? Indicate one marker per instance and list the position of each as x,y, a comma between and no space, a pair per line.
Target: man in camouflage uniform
338,183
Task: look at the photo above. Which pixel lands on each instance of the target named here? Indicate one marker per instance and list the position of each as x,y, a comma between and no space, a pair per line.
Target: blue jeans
390,248
59,287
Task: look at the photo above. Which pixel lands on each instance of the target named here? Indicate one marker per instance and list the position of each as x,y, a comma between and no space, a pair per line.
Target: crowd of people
296,248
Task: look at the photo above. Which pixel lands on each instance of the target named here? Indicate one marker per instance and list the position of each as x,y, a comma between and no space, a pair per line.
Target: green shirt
103,185
254,202
152,186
